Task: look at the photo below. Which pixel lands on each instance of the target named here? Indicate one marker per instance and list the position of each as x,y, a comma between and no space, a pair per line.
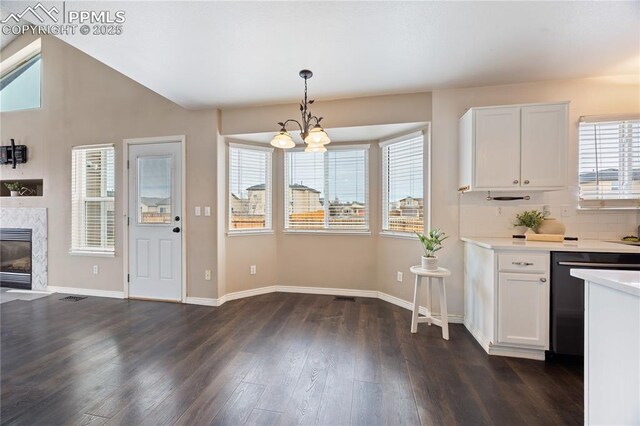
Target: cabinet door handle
543,280
515,181
522,263
526,182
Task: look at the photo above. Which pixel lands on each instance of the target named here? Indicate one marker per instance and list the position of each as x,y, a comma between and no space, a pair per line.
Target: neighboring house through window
327,191
92,199
249,188
403,206
609,162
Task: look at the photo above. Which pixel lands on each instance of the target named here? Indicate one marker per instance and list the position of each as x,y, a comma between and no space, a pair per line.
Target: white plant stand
438,276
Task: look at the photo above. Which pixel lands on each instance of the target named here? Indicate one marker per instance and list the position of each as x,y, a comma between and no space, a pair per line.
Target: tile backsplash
480,217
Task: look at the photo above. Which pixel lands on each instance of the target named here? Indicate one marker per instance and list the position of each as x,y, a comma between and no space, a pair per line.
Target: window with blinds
327,191
249,188
92,199
402,184
609,160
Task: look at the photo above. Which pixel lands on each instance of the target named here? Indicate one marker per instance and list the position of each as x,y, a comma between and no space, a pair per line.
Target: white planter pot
430,263
15,193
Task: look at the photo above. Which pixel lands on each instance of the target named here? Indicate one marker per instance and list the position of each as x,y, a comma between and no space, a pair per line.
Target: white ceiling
222,54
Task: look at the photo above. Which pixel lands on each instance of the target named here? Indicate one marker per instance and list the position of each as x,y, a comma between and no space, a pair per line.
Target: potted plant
530,219
13,188
431,242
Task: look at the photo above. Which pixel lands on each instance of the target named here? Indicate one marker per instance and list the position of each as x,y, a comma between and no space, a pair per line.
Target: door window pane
155,189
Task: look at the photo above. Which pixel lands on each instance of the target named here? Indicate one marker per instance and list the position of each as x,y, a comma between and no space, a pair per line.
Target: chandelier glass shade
318,148
283,140
311,131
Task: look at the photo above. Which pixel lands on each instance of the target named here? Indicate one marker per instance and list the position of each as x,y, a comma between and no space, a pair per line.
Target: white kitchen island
612,346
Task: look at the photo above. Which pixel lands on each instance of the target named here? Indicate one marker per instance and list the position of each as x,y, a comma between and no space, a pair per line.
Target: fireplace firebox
15,258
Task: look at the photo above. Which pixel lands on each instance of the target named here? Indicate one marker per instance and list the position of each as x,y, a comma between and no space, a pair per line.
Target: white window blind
327,191
249,188
609,160
402,184
92,199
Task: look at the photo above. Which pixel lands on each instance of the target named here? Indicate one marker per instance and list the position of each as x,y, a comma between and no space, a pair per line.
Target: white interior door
155,221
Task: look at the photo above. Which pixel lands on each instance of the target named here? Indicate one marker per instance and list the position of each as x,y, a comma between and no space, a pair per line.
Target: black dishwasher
567,295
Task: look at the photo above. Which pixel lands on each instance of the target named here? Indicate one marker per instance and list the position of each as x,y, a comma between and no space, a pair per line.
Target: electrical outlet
198,211
253,270
498,211
95,269
207,274
399,277
207,211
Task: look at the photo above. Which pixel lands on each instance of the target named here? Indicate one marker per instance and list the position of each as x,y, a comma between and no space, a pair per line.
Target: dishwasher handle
600,265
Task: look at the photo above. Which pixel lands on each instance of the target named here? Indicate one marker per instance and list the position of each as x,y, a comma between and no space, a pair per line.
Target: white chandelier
315,137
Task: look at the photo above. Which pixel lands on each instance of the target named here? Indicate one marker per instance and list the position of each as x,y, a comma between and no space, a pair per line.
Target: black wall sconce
13,154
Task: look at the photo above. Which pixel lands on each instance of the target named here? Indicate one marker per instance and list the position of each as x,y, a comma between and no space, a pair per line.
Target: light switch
198,211
207,211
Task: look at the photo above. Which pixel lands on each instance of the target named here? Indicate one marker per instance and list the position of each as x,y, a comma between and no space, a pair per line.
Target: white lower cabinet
523,309
507,300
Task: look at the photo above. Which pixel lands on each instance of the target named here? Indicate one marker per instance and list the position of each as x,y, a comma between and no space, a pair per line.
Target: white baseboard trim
492,349
204,301
484,342
326,291
536,354
87,292
453,318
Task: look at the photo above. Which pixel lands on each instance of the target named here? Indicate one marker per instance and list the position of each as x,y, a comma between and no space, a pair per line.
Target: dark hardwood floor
271,359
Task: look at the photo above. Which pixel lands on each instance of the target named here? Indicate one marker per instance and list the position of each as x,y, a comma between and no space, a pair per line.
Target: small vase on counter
15,193
551,225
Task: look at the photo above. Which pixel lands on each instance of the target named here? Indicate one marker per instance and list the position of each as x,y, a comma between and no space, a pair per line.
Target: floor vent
74,298
345,298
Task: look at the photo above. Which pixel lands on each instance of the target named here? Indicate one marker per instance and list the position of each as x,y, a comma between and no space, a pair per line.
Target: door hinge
128,220
128,278
127,164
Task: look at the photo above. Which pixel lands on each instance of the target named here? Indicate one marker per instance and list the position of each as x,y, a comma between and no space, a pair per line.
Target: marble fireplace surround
36,220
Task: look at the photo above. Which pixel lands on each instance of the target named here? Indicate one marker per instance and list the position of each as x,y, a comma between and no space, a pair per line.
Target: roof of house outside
606,175
155,201
296,186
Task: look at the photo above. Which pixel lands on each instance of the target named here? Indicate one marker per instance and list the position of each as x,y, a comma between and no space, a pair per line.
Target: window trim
425,131
19,58
332,231
612,204
92,251
269,184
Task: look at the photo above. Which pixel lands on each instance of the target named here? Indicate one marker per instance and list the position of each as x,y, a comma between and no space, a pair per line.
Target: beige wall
86,102
366,111
346,261
591,96
362,262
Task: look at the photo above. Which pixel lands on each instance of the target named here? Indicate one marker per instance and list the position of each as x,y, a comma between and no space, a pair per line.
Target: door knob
543,280
177,218
526,182
515,182
176,229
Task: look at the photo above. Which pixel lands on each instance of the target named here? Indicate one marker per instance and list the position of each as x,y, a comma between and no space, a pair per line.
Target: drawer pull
522,263
543,280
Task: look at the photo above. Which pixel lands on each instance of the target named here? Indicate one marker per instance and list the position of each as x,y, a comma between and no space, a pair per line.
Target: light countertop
626,281
521,244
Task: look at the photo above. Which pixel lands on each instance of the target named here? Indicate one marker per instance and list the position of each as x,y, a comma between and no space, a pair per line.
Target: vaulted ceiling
223,54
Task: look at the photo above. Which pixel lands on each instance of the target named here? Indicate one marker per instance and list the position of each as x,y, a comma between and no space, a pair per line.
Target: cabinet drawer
523,262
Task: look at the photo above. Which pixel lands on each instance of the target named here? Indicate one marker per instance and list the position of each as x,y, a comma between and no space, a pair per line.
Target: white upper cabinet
544,145
517,147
